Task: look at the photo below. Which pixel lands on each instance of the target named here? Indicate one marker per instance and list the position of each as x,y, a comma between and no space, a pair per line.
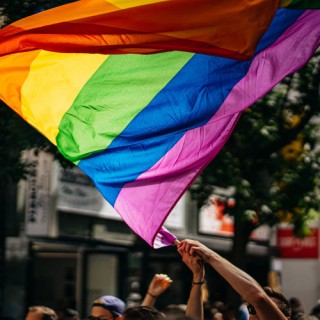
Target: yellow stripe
124,4
52,85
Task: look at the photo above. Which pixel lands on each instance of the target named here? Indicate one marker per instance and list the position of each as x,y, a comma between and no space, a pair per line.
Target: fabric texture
143,126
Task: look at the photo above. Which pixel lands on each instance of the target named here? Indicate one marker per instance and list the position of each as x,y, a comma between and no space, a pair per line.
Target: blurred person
243,311
264,304
107,307
110,307
41,313
207,311
303,316
279,300
315,311
217,307
229,312
218,316
69,314
143,313
296,308
134,298
174,311
159,284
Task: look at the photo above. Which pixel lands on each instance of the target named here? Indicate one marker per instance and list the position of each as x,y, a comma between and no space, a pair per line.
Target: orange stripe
14,70
97,26
69,12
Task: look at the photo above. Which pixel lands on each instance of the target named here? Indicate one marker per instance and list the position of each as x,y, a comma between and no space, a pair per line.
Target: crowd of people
260,303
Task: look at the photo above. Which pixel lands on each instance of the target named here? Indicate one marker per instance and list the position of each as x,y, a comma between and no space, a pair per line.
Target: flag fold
143,126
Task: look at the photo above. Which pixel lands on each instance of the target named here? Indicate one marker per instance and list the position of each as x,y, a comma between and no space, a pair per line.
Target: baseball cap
111,303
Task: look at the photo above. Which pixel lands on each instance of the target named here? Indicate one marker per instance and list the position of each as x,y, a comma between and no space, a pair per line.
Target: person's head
295,302
229,312
143,313
107,307
303,316
174,311
69,314
278,298
41,313
316,311
296,307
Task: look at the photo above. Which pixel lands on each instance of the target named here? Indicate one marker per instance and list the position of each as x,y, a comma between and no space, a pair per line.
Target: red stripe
203,26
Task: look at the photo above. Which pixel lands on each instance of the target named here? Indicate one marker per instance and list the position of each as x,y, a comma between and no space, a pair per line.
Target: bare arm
158,284
243,283
195,303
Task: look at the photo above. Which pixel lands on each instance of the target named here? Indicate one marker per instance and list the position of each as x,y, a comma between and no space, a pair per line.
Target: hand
193,247
159,284
195,263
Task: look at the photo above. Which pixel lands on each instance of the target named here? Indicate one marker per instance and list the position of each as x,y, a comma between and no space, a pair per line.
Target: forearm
158,284
247,287
149,300
195,303
243,283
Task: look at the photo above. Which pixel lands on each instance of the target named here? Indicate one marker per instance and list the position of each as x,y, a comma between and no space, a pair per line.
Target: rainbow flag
144,26
144,126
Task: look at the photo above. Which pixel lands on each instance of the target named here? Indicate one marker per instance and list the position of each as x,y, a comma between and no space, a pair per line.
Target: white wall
301,278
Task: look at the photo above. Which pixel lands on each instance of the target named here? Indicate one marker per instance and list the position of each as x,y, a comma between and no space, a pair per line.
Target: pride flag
144,126
144,26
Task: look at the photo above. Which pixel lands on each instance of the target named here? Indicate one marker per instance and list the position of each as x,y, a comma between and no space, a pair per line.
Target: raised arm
158,284
195,303
243,283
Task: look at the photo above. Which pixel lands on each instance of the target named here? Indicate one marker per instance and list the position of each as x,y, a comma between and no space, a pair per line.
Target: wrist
198,278
152,295
211,257
198,283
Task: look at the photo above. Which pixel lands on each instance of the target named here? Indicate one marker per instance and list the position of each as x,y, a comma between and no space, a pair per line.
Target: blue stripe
188,101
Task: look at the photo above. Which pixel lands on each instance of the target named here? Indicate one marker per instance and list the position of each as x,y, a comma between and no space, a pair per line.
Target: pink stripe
145,204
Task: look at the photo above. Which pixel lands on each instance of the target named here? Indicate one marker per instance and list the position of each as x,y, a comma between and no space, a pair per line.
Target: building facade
72,247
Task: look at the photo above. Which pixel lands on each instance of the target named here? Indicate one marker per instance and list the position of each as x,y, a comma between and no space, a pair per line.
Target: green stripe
115,94
304,4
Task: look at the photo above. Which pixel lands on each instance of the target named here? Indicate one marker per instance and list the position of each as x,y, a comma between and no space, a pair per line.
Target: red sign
292,247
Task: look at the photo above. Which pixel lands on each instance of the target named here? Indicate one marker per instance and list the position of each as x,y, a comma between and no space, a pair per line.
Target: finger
181,245
181,252
167,281
188,248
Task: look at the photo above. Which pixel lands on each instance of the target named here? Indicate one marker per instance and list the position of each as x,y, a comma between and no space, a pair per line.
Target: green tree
16,9
272,160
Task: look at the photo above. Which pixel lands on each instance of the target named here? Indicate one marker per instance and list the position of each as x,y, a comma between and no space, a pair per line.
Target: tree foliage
13,10
272,158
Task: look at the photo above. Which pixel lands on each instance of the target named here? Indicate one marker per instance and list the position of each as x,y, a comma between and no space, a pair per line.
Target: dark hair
316,311
47,313
70,314
280,300
142,313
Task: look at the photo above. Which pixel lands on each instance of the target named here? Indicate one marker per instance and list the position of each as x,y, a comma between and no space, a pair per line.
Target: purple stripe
145,204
